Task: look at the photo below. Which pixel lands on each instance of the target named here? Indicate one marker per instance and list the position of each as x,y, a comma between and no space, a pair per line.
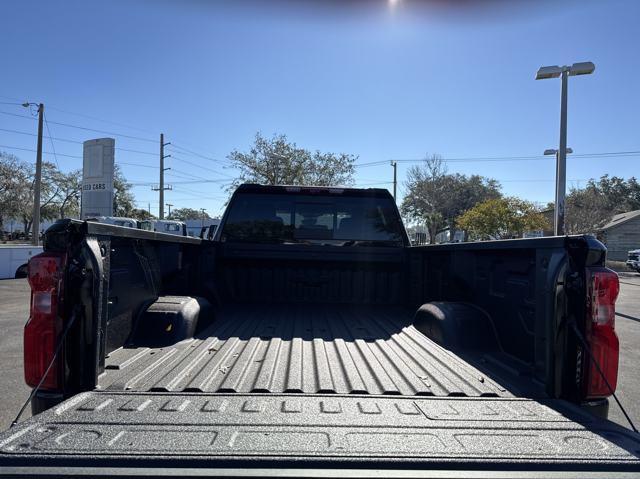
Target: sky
382,80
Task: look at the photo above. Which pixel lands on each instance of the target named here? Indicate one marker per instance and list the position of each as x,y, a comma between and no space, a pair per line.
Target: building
621,234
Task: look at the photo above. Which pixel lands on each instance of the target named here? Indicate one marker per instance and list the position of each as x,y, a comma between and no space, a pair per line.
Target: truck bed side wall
516,282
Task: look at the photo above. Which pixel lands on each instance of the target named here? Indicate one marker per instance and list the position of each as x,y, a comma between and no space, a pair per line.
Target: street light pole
561,167
583,68
561,180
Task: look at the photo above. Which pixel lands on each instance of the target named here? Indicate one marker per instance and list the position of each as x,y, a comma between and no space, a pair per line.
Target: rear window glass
340,221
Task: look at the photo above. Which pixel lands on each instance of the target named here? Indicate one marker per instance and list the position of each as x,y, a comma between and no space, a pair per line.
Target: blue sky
380,81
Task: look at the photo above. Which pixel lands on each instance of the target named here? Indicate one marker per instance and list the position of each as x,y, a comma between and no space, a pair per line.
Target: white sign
97,178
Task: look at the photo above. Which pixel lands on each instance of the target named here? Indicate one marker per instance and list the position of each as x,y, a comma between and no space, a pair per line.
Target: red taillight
42,331
602,291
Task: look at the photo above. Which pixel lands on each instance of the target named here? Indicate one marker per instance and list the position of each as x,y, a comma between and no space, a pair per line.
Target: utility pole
395,178
38,181
169,205
149,205
202,210
161,187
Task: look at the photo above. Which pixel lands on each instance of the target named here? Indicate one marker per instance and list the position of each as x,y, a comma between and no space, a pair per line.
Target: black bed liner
302,348
180,430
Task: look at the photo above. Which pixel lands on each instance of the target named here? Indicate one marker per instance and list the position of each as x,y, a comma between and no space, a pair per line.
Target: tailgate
163,433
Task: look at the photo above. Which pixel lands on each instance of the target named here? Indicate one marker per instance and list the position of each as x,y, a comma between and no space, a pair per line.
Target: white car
116,220
633,262
171,227
14,259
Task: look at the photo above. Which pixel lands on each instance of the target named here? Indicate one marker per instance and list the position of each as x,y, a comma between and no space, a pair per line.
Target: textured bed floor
302,348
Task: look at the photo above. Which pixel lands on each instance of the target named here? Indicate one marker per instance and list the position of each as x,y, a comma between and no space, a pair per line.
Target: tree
123,201
49,190
11,169
590,208
436,198
500,218
184,214
277,161
142,214
70,189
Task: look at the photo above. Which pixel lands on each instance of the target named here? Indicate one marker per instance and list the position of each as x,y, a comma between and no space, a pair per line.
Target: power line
124,125
53,147
30,117
174,146
135,164
183,174
84,115
198,180
174,157
68,125
607,154
77,142
34,151
186,191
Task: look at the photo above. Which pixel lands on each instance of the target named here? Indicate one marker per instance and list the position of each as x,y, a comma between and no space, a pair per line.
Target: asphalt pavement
14,310
628,329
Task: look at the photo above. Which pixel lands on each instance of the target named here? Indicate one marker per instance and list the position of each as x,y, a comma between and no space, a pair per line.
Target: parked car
633,261
14,259
172,227
116,221
310,334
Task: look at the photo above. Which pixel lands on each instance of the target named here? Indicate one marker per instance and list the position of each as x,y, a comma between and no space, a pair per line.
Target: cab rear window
313,219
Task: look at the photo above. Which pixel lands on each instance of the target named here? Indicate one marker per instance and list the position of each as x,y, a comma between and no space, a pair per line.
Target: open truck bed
265,387
301,348
318,360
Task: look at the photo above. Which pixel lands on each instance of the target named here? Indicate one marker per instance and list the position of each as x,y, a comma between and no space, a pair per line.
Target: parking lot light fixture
564,72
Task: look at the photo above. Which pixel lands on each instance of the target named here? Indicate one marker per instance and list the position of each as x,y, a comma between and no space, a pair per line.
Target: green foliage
184,214
59,194
500,218
123,201
436,198
69,193
589,208
277,161
142,214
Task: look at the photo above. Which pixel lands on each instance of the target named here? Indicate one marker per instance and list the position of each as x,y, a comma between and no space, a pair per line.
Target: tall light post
561,181
582,68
